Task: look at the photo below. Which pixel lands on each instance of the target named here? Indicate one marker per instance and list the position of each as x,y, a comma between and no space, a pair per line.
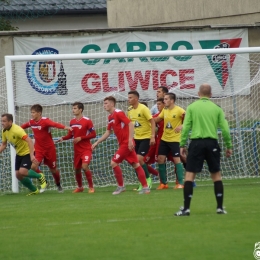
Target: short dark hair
144,103
172,96
164,89
110,98
79,105
8,116
37,108
160,100
134,92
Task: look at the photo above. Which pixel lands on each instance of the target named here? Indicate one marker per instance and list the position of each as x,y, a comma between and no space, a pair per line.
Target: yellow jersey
141,117
172,119
16,136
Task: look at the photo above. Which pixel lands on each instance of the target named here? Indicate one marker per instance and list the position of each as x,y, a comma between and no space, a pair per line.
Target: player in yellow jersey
170,142
23,146
144,130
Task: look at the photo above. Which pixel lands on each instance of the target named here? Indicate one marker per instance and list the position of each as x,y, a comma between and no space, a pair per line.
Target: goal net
57,81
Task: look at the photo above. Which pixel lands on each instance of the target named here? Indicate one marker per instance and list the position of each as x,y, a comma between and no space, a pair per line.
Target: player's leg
213,161
162,152
78,175
195,161
86,159
150,159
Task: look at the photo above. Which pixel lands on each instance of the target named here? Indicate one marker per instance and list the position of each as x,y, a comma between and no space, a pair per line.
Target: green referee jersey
203,118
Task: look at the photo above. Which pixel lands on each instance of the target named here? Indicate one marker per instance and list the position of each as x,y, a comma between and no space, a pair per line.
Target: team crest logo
221,63
137,124
168,125
39,127
42,75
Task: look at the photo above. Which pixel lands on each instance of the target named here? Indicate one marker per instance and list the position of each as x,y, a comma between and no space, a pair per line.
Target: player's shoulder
156,115
117,110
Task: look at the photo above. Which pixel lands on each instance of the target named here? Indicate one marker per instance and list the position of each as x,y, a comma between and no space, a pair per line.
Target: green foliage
130,226
5,25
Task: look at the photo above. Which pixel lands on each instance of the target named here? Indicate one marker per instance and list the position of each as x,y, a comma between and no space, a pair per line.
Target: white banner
55,82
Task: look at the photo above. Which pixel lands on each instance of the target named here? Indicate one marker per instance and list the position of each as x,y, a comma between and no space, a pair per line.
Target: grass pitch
130,226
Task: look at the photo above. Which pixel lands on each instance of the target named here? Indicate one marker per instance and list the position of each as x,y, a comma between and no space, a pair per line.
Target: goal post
57,80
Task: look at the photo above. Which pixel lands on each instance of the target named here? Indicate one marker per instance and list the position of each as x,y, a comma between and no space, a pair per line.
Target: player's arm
91,133
179,128
152,140
131,136
160,117
51,123
186,128
3,146
25,125
29,141
66,137
101,139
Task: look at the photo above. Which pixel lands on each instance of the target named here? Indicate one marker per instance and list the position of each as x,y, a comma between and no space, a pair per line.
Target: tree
5,25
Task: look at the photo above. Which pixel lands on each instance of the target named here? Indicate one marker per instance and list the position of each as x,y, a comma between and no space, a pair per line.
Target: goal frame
9,72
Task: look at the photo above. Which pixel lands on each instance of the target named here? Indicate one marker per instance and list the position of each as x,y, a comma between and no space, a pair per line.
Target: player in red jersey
124,130
44,146
82,131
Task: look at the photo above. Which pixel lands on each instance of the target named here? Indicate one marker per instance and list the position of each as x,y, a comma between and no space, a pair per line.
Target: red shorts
82,158
48,157
123,153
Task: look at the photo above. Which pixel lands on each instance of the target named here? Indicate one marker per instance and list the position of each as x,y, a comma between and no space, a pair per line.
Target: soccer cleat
139,188
59,188
162,186
118,190
43,183
221,211
179,186
182,213
91,190
77,190
145,191
149,182
33,193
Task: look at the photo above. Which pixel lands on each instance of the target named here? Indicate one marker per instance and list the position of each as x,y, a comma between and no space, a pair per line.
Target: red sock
38,171
89,178
152,170
118,175
78,177
141,176
56,177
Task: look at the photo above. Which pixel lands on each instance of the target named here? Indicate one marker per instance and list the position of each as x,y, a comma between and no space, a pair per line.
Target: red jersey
118,122
42,132
160,126
83,128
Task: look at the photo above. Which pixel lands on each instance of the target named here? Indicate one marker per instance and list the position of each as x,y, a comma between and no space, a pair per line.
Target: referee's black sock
187,193
219,193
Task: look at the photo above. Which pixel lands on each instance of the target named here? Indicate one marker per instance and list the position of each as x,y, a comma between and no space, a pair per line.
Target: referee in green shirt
203,118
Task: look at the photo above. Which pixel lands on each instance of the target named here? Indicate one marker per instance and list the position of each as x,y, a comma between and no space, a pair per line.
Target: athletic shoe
91,190
139,188
194,184
145,191
182,213
118,190
43,183
78,190
162,186
176,182
59,188
179,186
149,182
221,211
33,193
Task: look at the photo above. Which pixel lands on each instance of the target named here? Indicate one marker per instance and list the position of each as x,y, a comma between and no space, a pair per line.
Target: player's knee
161,159
135,165
113,164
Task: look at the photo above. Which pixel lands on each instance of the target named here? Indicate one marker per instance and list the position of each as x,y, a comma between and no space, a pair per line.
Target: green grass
130,226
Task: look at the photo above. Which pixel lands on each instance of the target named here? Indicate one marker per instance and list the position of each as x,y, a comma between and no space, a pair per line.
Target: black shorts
203,149
166,147
23,162
142,146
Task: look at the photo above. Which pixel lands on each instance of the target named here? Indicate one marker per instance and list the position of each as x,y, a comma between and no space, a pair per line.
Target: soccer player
172,116
161,91
82,131
124,131
44,146
203,118
144,130
23,145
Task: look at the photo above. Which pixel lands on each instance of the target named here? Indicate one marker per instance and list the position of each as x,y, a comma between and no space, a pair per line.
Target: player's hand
152,141
183,151
228,152
131,145
94,145
34,160
76,140
178,129
58,141
68,128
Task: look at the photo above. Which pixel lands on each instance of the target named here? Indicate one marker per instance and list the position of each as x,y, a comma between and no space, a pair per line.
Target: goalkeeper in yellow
24,148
